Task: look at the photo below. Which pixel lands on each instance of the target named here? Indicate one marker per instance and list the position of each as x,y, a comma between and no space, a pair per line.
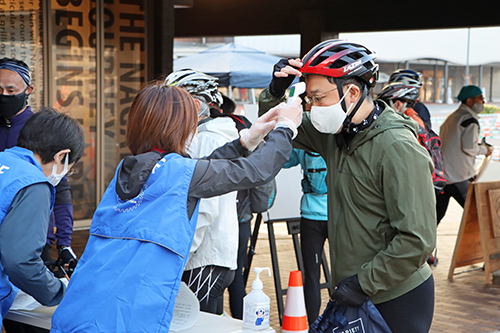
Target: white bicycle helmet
197,84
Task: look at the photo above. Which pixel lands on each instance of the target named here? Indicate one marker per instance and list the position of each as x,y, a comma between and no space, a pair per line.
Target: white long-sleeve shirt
216,238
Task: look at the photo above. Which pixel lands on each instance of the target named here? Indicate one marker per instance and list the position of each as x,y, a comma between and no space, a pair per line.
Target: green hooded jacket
381,202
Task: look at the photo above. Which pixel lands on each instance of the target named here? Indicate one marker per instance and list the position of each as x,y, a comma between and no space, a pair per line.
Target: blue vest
18,169
129,275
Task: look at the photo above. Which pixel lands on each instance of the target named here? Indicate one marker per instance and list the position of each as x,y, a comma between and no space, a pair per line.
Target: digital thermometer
295,91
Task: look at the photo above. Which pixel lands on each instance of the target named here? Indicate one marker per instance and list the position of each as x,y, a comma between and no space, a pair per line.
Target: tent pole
252,97
230,91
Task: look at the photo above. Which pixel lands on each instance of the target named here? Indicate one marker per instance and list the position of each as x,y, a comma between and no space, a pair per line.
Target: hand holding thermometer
296,90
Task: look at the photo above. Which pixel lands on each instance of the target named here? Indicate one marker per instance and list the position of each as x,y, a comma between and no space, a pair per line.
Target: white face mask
478,107
329,119
54,178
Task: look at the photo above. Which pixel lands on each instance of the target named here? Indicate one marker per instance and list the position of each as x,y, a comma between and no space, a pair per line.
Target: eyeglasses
317,98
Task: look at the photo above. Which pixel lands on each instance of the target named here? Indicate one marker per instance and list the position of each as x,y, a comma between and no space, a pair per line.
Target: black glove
349,292
279,85
67,256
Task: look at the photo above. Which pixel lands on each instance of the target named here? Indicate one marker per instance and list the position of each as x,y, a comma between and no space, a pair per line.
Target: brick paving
465,304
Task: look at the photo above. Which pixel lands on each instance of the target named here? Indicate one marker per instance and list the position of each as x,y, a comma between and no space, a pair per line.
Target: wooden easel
478,238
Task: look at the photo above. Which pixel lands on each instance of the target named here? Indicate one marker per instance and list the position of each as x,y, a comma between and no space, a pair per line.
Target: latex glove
290,115
284,73
251,137
349,292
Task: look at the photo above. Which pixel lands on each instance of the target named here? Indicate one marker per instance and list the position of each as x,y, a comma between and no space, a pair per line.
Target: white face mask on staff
54,178
329,119
478,107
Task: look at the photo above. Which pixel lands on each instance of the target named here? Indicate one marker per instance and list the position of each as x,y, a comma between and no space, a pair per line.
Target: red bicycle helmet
340,58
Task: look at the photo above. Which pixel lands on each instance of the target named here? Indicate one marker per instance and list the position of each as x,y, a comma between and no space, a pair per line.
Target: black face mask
12,104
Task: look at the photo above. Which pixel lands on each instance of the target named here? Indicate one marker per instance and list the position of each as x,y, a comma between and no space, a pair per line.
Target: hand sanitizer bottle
256,305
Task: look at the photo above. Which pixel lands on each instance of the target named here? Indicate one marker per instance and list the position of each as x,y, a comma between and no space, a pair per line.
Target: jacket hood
133,173
221,126
388,119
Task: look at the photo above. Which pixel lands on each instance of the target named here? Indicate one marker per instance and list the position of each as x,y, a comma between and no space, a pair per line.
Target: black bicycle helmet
406,76
400,91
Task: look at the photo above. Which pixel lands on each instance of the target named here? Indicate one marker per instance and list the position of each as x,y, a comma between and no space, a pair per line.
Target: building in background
440,55
73,70
90,58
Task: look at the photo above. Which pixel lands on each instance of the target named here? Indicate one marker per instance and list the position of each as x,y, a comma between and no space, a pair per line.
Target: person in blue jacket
313,224
129,274
15,88
48,146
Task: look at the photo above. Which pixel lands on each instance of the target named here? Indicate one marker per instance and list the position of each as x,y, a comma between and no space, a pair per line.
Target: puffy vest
129,275
18,169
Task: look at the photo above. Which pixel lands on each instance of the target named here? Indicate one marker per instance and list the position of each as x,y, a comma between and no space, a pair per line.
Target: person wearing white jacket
212,259
460,135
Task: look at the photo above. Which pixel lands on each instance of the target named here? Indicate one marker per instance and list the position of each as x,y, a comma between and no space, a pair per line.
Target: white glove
251,137
290,116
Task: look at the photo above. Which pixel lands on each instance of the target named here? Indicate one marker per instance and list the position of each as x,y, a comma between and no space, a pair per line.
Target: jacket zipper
342,164
8,123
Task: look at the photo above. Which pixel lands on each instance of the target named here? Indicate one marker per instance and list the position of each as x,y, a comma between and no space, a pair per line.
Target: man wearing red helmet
381,203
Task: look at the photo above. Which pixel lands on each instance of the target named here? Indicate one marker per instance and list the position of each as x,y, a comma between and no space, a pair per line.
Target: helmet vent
338,63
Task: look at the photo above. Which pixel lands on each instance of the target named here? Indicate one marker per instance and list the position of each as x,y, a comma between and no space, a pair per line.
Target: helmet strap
348,119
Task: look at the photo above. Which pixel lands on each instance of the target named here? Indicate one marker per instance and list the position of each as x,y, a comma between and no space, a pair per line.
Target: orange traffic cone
294,319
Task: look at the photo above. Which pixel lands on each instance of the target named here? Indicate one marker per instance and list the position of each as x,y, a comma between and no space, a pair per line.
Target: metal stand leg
251,249
294,230
293,226
276,271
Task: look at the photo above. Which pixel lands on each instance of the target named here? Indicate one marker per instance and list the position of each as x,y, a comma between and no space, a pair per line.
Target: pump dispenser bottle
256,305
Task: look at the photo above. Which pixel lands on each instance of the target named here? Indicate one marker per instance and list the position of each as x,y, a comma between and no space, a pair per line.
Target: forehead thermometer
296,90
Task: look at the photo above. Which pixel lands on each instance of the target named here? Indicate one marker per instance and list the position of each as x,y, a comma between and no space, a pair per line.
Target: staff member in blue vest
129,275
49,144
15,88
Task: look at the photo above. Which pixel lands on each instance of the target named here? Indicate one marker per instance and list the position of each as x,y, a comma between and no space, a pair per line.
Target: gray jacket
23,233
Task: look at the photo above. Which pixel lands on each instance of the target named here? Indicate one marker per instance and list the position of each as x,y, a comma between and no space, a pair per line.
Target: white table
206,323
39,317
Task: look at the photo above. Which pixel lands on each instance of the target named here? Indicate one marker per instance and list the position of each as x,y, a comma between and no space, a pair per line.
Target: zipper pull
342,164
